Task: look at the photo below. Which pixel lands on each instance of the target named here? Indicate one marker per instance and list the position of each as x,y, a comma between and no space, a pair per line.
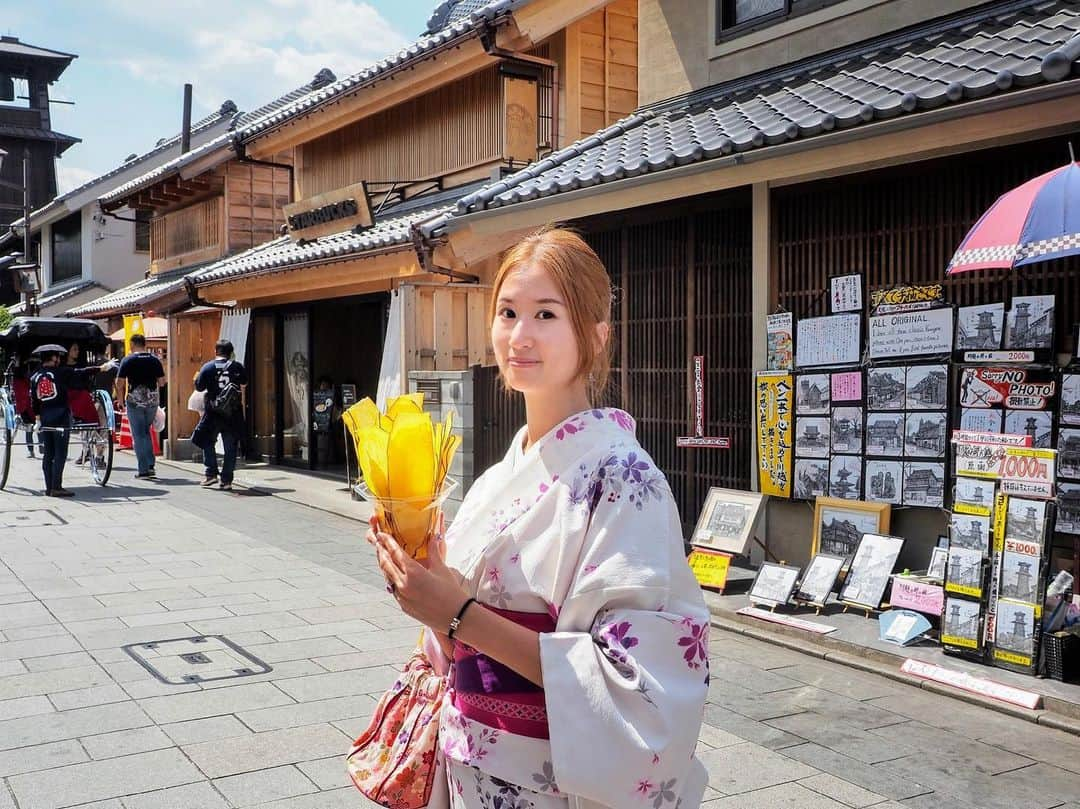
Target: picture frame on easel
728,520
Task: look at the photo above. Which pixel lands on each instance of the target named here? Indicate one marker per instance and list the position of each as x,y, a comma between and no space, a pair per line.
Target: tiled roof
34,133
427,44
56,296
12,45
222,141
134,296
997,48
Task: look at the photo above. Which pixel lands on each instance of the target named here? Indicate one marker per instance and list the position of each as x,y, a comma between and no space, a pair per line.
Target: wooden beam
539,20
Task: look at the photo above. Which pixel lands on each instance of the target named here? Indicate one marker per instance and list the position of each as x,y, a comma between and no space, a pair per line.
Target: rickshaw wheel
100,455
5,454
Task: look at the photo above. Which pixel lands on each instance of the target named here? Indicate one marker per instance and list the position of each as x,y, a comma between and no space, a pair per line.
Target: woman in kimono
576,632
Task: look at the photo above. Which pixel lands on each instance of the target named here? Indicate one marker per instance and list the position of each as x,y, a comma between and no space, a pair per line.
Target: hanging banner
906,299
781,353
133,324
1011,388
774,432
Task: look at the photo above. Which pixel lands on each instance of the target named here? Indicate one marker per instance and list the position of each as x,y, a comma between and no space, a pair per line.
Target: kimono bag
394,762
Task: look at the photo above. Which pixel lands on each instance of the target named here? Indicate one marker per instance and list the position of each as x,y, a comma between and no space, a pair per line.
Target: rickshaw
16,344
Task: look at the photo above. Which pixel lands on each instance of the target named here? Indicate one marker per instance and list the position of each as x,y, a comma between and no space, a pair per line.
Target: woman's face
73,353
534,341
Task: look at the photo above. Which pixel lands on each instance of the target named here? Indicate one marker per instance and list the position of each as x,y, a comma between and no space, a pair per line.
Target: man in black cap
48,392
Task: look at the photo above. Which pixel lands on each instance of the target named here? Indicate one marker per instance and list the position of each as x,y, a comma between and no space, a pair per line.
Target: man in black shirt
223,379
142,376
49,395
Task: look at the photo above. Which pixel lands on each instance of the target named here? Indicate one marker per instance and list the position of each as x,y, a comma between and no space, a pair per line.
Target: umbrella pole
1072,156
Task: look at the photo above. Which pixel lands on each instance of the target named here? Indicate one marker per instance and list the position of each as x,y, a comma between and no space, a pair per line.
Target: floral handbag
395,761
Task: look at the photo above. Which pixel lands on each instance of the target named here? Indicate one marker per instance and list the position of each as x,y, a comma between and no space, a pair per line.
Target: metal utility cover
29,518
201,659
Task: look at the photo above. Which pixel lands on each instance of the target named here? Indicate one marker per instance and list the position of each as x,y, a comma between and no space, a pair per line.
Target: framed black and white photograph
812,436
979,328
870,569
971,531
936,569
976,420
727,520
964,569
925,435
1019,576
1070,397
773,584
885,388
1030,322
1025,520
847,429
961,619
1068,447
812,393
819,580
974,495
927,387
883,481
924,484
1068,508
840,524
811,478
845,477
1015,627
885,434
1034,423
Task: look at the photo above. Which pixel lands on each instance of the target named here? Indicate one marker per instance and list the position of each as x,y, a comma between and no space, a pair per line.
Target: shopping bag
159,420
197,401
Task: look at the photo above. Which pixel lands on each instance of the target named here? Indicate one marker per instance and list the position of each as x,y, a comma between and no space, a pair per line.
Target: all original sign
332,212
911,334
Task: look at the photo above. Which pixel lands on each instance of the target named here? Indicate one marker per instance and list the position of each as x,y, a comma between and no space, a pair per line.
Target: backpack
228,403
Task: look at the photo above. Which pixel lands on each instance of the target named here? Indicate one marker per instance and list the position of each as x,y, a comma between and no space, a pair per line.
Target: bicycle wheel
5,454
99,448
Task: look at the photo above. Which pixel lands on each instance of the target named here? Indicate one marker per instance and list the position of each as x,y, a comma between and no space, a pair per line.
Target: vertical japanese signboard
774,397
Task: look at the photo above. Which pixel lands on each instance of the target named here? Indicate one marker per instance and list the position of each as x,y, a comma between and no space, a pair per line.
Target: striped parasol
1037,221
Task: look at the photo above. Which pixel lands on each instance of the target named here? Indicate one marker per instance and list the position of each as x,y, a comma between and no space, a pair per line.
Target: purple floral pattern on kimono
695,643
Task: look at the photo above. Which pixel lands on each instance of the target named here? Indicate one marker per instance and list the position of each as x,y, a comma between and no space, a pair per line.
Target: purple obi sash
488,692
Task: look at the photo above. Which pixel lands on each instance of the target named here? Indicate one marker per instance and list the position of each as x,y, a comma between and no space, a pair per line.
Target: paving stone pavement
83,724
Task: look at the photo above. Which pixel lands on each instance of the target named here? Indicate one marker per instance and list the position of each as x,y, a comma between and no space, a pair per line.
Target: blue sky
136,55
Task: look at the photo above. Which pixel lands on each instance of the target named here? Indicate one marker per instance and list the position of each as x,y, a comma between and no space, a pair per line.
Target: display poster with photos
1025,522
845,293
1070,398
1014,634
973,496
773,584
925,435
873,564
819,580
839,525
970,531
811,478
885,434
883,481
1068,447
1068,509
924,484
812,394
847,386
847,430
812,436
980,328
927,387
1020,571
936,568
926,332
1030,323
845,477
727,520
828,341
1036,424
964,572
886,387
961,623
781,345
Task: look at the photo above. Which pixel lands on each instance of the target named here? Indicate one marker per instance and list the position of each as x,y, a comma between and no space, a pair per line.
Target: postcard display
1003,482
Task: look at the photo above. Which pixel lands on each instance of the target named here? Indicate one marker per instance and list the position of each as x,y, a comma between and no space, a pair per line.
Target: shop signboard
1009,388
333,212
774,396
917,595
710,568
827,341
906,298
911,334
1028,472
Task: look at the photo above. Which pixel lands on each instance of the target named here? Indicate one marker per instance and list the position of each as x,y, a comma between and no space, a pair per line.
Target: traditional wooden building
778,145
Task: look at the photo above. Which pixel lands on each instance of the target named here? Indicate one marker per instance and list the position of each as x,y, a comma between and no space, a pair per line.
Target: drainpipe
193,297
425,257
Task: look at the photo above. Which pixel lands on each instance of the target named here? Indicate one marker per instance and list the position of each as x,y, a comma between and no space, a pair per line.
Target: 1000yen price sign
1028,472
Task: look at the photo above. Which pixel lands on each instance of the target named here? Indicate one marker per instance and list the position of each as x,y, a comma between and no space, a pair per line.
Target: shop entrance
308,363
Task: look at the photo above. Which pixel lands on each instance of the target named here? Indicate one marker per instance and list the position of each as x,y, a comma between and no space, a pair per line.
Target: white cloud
253,53
69,177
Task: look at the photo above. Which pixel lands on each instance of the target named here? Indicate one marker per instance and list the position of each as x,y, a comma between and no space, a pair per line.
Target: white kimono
579,537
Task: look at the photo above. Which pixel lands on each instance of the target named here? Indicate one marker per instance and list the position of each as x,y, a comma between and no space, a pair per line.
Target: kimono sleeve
626,672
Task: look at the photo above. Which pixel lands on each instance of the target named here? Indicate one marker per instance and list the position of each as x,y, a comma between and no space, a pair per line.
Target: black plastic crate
1062,655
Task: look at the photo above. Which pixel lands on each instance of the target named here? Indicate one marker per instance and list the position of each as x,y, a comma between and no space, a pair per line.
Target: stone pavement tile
749,729
840,680
379,640
201,795
308,713
20,597
737,673
126,670
877,778
327,773
1041,779
41,757
125,742
10,667
279,671
196,583
313,648
247,639
199,602
714,737
85,697
746,767
211,729
96,626
350,612
399,621
267,622
861,745
52,630
967,720
7,800
1036,742
128,602
946,747
726,646
38,647
933,800
752,705
175,616
339,684
292,605
270,749
984,791
346,798
838,789
265,785
51,682
150,686
70,724
274,589
30,613
365,660
199,704
24,706
142,634
783,796
103,585
69,660
346,630
99,780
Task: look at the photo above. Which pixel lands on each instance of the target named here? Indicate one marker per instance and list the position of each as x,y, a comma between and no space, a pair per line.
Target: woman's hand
429,592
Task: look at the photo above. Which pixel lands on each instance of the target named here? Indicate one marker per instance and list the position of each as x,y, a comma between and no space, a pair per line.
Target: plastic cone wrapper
404,456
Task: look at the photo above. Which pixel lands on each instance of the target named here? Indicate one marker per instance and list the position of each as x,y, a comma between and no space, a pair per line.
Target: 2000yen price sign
1028,472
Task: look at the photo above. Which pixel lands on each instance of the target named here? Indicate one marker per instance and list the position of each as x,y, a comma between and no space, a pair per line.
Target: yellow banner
963,589
1011,657
956,640
774,396
1001,509
710,568
133,324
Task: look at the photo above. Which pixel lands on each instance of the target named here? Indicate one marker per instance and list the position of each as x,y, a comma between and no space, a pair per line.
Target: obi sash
488,692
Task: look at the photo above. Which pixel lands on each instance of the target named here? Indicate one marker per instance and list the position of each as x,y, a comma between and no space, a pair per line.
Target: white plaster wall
114,262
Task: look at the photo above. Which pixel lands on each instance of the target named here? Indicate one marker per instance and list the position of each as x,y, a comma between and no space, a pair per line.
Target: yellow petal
409,403
372,446
411,469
